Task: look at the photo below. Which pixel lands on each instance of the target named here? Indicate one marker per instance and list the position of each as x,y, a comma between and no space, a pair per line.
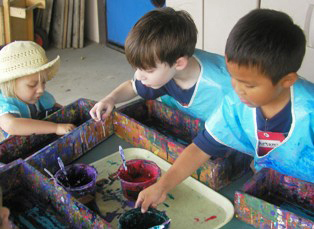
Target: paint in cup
135,219
140,174
80,181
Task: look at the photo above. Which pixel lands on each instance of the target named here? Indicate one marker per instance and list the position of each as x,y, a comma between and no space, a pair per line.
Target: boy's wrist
164,185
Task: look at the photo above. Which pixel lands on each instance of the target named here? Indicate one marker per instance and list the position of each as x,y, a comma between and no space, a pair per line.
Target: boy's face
30,88
156,77
253,88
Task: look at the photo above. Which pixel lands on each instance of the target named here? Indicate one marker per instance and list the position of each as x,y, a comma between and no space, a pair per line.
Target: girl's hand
64,128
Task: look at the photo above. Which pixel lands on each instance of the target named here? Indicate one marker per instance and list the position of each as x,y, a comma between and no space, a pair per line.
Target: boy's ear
288,80
181,63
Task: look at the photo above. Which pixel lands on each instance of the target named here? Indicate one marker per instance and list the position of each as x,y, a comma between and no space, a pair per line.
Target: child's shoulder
304,89
209,56
4,99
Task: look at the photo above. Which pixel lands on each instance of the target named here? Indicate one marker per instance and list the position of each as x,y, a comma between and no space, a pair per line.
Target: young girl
24,71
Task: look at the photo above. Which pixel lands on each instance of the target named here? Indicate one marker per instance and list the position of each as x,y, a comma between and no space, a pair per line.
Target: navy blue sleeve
147,92
209,145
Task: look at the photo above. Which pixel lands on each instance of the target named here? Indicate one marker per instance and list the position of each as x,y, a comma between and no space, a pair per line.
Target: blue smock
213,83
234,125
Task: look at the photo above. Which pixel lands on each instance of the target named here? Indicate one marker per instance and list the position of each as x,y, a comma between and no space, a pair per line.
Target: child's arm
122,93
28,126
189,160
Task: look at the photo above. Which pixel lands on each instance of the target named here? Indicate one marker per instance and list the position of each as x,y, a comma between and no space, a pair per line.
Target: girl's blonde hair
8,88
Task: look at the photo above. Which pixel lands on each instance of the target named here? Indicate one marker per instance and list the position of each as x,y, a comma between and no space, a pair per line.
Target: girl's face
30,88
157,77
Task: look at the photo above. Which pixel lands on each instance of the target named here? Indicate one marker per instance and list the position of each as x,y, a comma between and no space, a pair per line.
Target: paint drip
135,219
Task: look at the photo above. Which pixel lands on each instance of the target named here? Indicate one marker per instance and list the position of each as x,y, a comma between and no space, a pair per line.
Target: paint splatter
196,219
112,162
167,205
210,218
170,196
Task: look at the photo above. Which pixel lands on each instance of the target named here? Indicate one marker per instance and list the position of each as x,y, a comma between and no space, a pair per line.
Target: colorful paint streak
210,218
166,131
274,200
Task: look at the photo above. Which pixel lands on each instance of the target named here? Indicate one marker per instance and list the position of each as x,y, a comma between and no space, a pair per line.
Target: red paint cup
139,175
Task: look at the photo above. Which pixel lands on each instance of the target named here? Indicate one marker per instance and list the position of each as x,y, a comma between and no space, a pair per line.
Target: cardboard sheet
190,205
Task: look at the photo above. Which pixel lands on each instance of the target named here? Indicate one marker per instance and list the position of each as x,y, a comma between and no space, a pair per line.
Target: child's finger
139,201
107,113
145,205
92,113
98,115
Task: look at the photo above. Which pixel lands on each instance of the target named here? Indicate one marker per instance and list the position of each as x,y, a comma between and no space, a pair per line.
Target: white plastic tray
190,205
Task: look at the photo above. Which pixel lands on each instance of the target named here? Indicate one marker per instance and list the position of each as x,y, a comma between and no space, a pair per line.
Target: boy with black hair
270,113
161,48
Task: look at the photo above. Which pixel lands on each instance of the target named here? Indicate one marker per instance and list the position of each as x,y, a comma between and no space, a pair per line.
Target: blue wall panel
121,17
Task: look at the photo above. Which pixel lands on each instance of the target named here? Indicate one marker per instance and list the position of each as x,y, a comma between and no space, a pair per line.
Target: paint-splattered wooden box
36,202
166,132
41,151
273,200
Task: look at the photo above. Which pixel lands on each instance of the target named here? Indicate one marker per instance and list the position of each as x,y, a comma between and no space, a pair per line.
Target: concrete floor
91,72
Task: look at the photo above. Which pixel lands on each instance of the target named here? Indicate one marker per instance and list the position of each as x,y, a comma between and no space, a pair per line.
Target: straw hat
22,58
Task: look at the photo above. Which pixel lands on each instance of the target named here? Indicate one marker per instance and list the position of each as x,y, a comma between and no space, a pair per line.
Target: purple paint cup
80,181
139,175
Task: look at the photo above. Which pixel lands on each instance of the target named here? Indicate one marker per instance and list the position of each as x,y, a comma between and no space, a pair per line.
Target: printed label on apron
268,141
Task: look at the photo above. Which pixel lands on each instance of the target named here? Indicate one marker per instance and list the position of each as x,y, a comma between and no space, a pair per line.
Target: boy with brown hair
161,49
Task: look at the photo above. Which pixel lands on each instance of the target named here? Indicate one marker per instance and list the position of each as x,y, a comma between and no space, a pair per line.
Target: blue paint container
80,181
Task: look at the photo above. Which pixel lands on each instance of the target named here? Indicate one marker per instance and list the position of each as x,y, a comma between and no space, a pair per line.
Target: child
160,47
269,115
24,70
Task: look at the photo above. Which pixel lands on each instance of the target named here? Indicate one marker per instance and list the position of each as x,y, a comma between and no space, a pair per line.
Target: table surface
111,145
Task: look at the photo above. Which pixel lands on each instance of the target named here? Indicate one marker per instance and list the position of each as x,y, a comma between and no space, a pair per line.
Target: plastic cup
139,175
80,181
135,219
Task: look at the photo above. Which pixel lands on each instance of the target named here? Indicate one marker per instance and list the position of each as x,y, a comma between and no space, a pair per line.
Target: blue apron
214,82
234,125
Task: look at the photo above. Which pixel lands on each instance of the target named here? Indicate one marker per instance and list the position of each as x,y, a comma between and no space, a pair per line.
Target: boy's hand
106,105
151,196
64,128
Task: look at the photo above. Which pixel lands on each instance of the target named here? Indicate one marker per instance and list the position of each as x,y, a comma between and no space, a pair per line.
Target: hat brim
52,68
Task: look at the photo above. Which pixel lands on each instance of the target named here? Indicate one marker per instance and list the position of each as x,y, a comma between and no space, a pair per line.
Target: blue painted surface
121,17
